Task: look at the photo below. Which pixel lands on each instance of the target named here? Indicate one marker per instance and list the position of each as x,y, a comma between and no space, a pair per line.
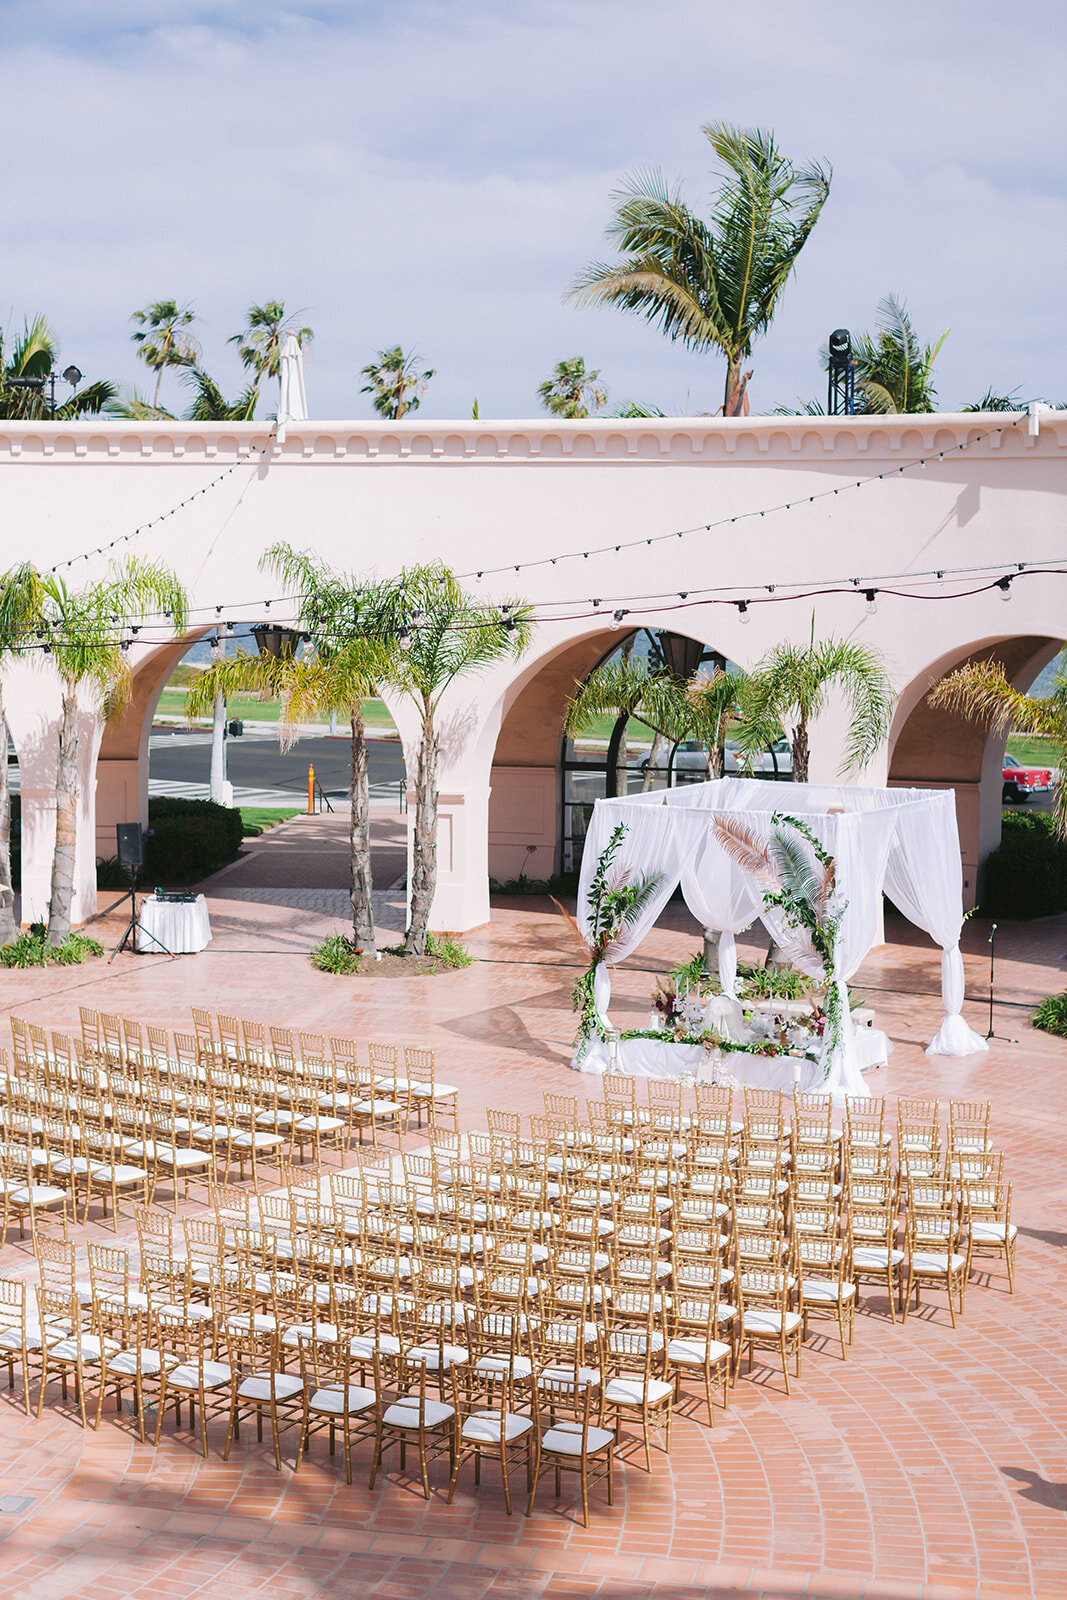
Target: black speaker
130,843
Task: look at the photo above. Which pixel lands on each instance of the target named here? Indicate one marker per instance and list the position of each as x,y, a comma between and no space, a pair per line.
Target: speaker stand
132,929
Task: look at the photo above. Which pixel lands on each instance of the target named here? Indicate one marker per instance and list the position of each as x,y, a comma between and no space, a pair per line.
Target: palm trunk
7,893
62,896
716,760
800,752
659,744
359,838
424,853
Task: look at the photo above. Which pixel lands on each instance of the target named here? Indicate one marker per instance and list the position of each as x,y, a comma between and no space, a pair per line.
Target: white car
690,758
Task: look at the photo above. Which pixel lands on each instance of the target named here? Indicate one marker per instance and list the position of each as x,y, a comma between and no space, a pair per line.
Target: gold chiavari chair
968,1128
768,1318
333,1402
990,1230
192,1374
695,1347
78,1354
427,1093
827,1289
22,1336
495,1430
936,1258
260,1386
875,1252
412,1419
571,1443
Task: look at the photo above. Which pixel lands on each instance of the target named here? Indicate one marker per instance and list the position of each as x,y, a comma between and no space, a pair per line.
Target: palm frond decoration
745,847
616,900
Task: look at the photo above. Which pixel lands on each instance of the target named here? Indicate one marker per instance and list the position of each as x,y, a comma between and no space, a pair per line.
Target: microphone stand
992,960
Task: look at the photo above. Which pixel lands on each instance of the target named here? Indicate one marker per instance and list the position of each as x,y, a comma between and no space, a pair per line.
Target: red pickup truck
1021,782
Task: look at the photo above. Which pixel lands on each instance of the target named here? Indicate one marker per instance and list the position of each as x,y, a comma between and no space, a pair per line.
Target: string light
871,596
742,610
1005,588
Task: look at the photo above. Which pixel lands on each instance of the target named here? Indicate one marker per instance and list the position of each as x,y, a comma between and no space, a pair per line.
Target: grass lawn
257,819
250,708
1033,752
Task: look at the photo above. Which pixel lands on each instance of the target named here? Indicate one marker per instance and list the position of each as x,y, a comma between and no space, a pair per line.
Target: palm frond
981,691
746,848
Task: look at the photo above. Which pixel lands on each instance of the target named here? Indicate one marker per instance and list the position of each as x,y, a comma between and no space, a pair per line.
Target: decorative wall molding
675,442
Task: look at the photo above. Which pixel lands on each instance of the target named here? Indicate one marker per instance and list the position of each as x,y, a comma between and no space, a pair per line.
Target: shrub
1026,876
448,951
337,953
187,839
1051,1015
31,949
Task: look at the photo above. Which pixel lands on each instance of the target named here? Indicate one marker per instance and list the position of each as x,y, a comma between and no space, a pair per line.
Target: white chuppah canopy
901,840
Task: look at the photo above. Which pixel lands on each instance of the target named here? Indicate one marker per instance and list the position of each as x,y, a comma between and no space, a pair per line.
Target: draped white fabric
924,877
902,839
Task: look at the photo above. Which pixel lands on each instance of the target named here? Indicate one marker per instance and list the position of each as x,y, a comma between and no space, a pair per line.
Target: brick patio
931,1464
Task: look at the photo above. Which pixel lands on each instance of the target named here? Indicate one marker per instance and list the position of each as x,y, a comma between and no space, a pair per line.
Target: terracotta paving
933,1463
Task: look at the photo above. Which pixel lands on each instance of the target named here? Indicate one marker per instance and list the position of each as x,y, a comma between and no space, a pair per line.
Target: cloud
436,175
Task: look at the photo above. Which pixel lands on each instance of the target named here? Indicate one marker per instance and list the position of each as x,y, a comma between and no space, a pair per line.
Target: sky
435,173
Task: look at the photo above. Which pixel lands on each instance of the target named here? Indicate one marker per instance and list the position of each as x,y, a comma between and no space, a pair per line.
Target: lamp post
841,376
70,375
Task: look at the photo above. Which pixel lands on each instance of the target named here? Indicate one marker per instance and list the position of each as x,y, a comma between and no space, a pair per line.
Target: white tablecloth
651,1058
176,926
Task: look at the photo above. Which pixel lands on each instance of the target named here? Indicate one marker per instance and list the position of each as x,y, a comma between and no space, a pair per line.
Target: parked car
691,763
1021,782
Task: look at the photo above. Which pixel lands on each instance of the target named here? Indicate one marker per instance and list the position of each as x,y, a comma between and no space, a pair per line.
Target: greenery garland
805,904
613,906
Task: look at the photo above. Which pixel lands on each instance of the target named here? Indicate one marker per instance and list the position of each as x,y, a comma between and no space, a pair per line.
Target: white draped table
655,1058
176,926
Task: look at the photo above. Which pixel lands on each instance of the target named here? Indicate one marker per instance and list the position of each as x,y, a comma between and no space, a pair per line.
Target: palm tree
714,285
894,372
20,614
394,383
344,669
571,391
25,375
443,634
698,708
982,692
789,686
131,403
259,344
85,629
209,404
162,340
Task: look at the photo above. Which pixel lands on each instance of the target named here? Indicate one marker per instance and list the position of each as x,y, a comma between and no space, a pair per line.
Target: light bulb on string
871,597
1004,585
742,610
616,619
403,638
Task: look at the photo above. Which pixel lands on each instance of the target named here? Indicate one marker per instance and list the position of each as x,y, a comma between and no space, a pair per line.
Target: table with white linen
176,926
662,1058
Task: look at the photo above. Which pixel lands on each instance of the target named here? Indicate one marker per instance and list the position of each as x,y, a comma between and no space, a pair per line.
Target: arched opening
936,749
544,786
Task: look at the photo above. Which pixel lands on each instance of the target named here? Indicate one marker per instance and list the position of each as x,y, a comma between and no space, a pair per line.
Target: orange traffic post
311,790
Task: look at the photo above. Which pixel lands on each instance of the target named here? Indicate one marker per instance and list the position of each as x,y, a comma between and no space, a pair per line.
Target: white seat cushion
521,1366
323,1124
694,1352
824,1292
39,1194
262,1141
566,1439
216,1375
588,1377
632,1391
67,1349
257,1322
431,1355
362,1346
192,1310
484,1427
324,1332
118,1173
936,1261
992,1232
11,1338
258,1388
770,1322
405,1413
876,1258
125,1363
332,1401
434,1091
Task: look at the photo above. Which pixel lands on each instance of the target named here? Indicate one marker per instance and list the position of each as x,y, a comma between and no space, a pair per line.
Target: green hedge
187,839
1026,876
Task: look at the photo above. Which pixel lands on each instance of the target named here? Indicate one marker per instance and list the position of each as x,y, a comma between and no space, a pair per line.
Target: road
262,773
